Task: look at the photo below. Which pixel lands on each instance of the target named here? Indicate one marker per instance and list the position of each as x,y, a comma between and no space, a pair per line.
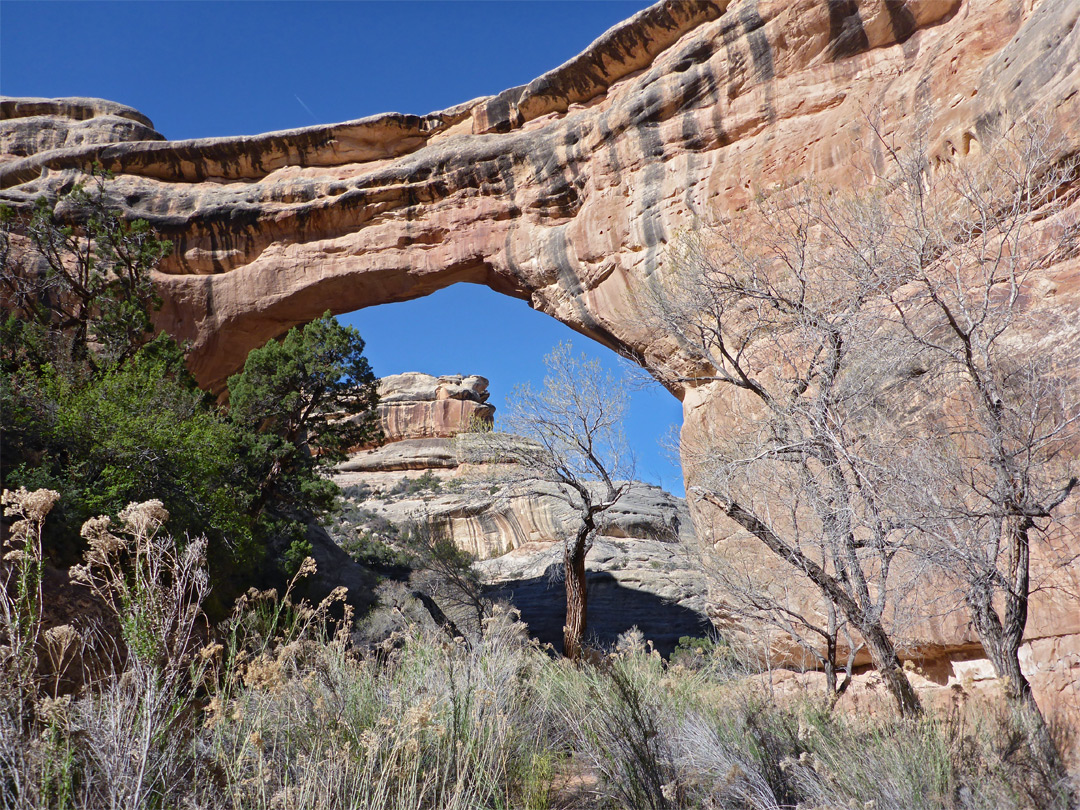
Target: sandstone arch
563,192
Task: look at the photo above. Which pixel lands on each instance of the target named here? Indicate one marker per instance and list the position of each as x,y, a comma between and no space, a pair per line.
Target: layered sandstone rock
641,570
34,125
420,406
567,192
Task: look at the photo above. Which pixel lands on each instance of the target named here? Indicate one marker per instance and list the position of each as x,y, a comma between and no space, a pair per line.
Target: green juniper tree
98,408
301,403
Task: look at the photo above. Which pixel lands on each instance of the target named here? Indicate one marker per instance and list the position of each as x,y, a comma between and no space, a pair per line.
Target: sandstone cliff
641,569
566,192
420,406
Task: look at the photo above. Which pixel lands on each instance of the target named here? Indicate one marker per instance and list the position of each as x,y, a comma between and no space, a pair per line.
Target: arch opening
467,328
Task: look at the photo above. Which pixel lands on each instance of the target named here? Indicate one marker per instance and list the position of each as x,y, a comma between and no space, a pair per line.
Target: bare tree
779,317
769,598
996,449
870,345
575,441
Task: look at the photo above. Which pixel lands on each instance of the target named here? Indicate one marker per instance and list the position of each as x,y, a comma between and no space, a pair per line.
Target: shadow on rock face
334,567
613,609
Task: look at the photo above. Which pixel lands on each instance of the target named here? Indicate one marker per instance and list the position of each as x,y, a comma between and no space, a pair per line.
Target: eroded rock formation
35,125
641,570
420,406
567,191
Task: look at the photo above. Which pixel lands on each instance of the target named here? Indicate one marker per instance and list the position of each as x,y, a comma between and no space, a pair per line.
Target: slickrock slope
567,191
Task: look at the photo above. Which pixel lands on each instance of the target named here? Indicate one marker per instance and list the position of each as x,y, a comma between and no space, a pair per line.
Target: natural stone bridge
564,192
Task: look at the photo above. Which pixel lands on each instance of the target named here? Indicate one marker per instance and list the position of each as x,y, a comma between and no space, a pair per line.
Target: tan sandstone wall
566,192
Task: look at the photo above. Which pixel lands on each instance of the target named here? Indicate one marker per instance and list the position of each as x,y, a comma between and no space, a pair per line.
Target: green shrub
97,408
366,548
134,432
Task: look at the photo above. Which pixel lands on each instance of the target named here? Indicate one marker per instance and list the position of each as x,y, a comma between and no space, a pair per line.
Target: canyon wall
566,192
641,569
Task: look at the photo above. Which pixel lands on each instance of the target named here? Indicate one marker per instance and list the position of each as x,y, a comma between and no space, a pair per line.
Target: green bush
408,487
92,405
131,433
369,550
288,401
277,708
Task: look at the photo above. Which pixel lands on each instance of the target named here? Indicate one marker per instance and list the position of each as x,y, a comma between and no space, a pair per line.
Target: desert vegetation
98,407
882,434
278,706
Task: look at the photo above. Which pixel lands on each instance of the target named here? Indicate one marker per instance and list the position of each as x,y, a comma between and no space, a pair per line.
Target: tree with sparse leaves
82,279
878,403
573,428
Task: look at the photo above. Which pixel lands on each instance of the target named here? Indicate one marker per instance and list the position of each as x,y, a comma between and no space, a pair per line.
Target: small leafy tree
131,432
92,404
79,269
96,407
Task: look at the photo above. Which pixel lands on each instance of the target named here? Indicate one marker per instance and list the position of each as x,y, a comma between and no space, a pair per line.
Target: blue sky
201,69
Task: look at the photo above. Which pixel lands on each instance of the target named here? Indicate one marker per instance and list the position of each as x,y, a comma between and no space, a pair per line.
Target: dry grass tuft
277,708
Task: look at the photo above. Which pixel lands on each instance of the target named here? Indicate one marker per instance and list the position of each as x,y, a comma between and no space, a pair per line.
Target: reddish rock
566,192
420,406
34,125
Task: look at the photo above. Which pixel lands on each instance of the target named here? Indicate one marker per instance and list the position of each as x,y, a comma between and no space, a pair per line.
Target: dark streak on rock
500,113
847,36
760,50
729,35
652,152
901,19
614,164
556,254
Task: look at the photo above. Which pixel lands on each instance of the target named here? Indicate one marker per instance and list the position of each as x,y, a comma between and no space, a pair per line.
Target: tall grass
278,708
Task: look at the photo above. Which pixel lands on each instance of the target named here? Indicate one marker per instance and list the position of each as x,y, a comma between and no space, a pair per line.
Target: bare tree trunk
881,649
1004,653
830,655
1001,640
887,663
576,594
438,616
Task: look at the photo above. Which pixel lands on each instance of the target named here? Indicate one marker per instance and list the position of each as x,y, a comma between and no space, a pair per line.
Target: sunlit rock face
567,192
35,125
564,192
641,569
420,406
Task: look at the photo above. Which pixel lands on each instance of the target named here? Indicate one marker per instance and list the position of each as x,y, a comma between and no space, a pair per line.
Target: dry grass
279,709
